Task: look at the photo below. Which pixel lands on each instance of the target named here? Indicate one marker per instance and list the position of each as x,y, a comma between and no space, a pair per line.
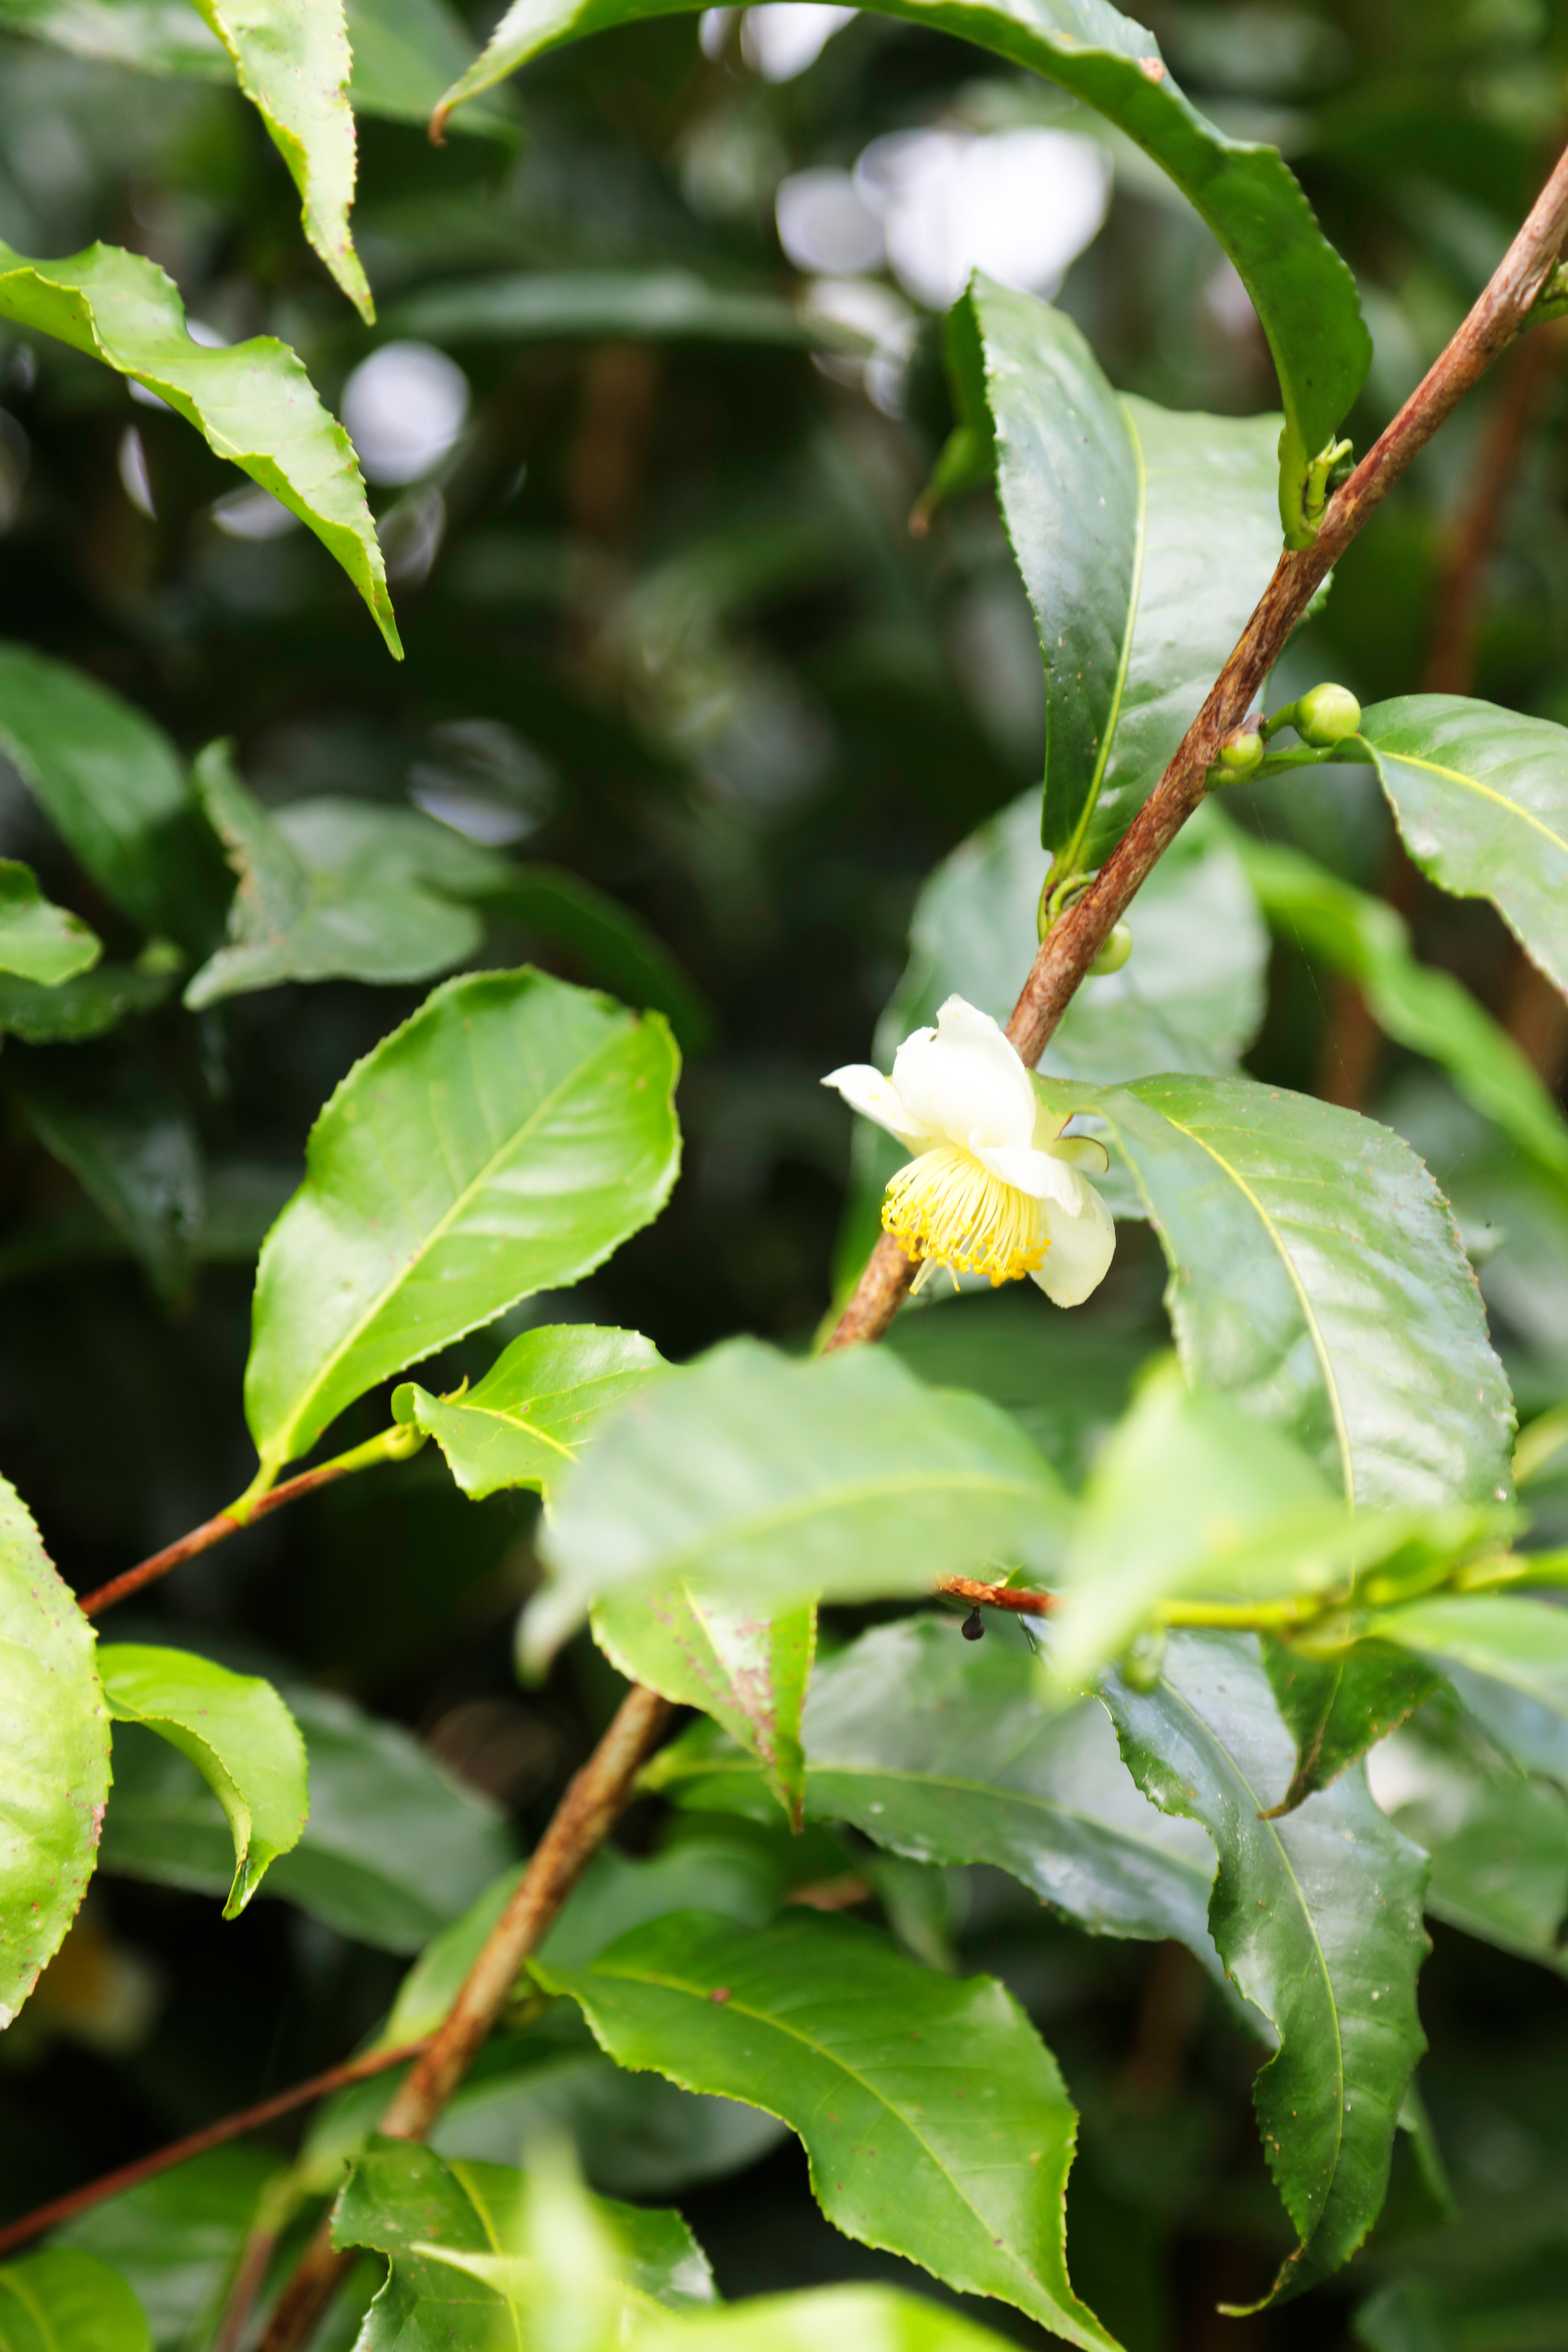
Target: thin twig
202,1539
1022,1602
1072,944
179,2151
582,1821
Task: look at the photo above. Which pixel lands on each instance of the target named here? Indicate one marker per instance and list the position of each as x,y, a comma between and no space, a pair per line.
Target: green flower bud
1242,749
1114,953
1326,716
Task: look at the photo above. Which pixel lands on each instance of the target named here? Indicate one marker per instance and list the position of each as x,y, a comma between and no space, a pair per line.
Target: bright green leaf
1428,1011
1317,1279
392,1852
527,1421
867,2318
54,1760
1304,295
1317,1918
293,62
610,945
1337,1707
749,1673
251,401
114,787
504,1141
38,941
130,1144
934,2118
942,1751
63,2300
1144,539
769,1482
237,1733
292,919
1506,1637
1498,1838
1480,796
164,36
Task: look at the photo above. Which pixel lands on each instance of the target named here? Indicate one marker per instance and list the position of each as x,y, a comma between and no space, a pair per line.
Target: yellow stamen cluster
947,1206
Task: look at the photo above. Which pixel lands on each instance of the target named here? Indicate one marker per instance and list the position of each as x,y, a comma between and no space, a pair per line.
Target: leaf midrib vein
1473,784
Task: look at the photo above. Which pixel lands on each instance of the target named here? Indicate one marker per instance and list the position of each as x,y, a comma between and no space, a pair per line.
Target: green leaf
89,1005
1480,796
1304,295
251,401
1317,1279
1507,1637
1498,1838
535,1409
942,1751
64,2301
406,53
292,919
1317,1918
504,1141
934,2118
1430,1012
38,941
406,2203
867,2318
1144,539
176,2239
114,787
611,946
54,1761
392,1851
749,1673
1338,1707
131,1146
237,1733
293,63
162,37
599,304
756,1479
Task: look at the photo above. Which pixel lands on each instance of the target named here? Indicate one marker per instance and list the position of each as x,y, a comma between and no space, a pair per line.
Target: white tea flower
993,1189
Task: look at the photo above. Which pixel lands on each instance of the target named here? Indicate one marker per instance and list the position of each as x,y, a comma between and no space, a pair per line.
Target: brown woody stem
1071,945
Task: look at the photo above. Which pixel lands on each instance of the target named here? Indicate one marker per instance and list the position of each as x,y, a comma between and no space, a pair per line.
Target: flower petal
875,1097
963,1079
1044,1175
1081,1251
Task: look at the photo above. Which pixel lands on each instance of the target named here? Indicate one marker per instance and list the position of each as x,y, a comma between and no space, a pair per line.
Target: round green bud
1242,750
1326,716
1144,1660
1114,953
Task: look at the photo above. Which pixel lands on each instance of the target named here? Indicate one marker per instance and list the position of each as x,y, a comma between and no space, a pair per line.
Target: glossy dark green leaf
114,787
293,919
1317,1918
131,1145
536,1408
767,1482
593,305
868,2319
406,2203
1480,796
1304,295
63,2300
1508,1638
1498,1838
237,1733
54,1761
38,941
1337,1707
252,401
1428,1011
176,2239
1317,1279
934,2118
392,1851
1144,539
293,64
504,1141
941,1750
749,1673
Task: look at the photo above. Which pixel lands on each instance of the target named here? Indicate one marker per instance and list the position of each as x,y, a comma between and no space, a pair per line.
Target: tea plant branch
392,1446
196,2143
583,1820
1072,943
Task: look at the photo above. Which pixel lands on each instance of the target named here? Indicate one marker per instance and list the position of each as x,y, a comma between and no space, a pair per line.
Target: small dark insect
973,1626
